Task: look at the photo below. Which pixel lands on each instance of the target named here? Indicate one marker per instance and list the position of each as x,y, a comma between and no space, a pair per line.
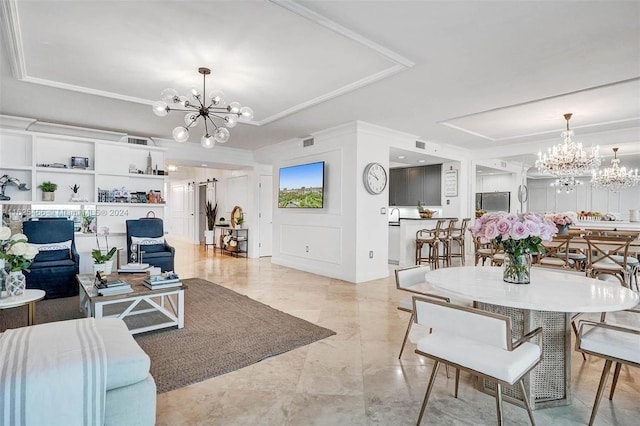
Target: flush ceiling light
568,159
212,109
615,178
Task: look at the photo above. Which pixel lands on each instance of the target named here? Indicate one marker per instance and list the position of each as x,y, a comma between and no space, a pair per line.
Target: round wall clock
374,178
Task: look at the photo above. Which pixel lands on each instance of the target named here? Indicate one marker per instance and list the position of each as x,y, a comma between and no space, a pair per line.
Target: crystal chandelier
211,110
615,178
566,184
568,159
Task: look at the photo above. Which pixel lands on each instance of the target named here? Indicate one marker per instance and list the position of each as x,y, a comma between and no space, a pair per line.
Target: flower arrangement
97,254
15,251
518,235
566,218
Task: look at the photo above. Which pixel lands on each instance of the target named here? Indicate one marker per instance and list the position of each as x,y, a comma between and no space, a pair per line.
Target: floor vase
517,269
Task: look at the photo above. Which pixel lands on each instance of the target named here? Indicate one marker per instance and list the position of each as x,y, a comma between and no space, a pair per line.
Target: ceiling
491,77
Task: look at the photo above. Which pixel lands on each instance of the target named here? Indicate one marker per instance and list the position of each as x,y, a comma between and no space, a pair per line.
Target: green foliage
47,186
98,257
211,212
308,200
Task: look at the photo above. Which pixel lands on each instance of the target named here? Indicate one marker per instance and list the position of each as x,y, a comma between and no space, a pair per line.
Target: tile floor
354,377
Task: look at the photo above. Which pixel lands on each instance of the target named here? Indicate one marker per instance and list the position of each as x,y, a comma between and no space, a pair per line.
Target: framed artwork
451,183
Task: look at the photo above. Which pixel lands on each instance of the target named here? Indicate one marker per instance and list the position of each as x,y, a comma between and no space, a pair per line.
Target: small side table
29,298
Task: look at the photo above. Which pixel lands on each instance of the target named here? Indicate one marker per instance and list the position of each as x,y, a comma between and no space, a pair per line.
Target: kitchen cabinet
408,185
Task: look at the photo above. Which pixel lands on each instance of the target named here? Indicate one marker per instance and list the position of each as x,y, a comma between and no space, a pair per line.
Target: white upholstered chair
476,341
615,343
412,279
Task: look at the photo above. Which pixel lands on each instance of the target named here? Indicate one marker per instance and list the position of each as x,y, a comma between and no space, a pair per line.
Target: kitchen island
402,239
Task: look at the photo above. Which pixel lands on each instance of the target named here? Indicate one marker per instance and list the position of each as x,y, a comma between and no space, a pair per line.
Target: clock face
375,178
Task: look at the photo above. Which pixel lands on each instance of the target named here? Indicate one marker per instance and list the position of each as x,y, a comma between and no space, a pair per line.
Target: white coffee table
29,297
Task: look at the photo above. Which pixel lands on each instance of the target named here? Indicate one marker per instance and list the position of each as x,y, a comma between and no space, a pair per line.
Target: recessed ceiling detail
594,106
325,60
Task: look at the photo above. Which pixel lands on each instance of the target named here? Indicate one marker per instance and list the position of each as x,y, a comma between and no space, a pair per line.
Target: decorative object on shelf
424,212
210,212
374,178
568,159
562,221
518,235
102,261
17,255
210,109
615,178
479,213
566,184
79,163
48,190
149,169
75,197
236,214
87,224
6,180
53,165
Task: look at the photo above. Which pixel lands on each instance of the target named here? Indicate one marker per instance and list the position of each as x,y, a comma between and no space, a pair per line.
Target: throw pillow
49,252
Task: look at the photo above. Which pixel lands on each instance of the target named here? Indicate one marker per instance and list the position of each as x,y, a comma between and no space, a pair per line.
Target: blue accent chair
159,255
53,271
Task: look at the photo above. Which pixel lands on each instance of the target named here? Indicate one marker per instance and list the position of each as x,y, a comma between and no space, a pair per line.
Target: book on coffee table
134,267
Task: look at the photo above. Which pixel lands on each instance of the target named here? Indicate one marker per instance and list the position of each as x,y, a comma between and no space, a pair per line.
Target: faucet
391,213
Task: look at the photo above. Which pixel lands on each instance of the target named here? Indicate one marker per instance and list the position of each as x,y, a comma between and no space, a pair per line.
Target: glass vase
517,269
16,283
563,229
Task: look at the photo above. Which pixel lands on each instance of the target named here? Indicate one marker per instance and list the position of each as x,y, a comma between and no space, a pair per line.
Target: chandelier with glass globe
615,178
566,184
217,116
568,159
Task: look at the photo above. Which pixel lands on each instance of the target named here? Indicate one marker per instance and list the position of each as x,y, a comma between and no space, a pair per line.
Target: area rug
224,331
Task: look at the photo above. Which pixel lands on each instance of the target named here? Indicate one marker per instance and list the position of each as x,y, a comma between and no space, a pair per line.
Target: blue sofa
149,234
53,271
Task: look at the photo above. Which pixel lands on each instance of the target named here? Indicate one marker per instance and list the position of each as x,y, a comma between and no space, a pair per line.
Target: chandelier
566,184
568,159
211,109
615,178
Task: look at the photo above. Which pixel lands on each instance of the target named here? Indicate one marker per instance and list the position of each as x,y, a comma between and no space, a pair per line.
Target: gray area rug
224,331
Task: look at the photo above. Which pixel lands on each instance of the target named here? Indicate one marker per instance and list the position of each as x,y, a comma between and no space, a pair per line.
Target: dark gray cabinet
408,185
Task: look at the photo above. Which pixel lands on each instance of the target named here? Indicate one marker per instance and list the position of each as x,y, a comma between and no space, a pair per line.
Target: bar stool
429,237
458,236
445,239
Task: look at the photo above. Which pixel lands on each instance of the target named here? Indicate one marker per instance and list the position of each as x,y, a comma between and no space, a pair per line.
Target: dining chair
412,279
458,236
481,251
478,342
615,343
555,253
609,256
429,238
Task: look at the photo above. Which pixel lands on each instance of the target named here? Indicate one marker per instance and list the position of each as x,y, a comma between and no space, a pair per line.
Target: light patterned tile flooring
354,377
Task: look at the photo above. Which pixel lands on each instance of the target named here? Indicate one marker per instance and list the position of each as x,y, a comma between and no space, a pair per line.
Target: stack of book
114,287
134,267
159,281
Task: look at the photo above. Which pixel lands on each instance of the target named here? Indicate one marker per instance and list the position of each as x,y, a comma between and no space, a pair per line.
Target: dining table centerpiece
519,235
563,221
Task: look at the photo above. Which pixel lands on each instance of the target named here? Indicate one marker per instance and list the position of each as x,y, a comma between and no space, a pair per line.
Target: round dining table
549,301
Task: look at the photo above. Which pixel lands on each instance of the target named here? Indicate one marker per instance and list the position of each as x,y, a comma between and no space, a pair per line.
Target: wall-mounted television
301,186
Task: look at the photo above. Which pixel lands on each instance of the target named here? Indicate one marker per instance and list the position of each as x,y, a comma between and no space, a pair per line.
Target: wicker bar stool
444,238
458,236
429,237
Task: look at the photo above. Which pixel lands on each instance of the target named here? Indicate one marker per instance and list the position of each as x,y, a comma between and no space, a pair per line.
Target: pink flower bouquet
566,218
516,233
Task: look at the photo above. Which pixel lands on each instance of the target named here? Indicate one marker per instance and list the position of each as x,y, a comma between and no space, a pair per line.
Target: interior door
266,215
202,218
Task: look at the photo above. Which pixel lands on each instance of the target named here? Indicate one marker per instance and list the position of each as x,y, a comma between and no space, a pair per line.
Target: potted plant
48,190
424,212
240,220
210,212
102,261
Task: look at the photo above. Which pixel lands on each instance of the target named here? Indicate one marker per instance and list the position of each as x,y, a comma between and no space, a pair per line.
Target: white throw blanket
53,374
